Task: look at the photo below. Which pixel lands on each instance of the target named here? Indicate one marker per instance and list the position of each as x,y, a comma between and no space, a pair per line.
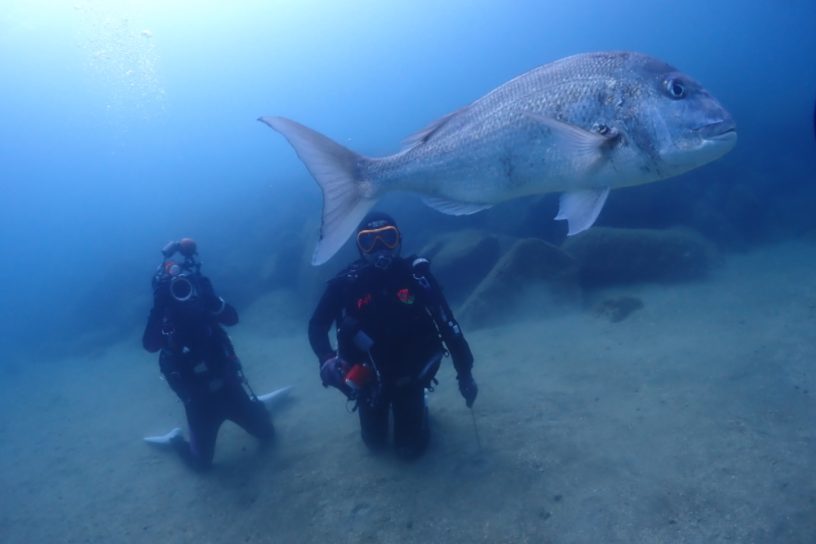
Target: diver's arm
452,335
455,341
152,339
322,318
445,321
225,313
450,331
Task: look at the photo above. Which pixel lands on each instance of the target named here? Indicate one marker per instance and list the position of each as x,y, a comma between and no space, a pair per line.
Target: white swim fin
164,439
275,398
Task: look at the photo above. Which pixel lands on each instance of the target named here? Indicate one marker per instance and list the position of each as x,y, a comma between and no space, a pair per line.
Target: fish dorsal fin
588,147
581,208
425,134
451,207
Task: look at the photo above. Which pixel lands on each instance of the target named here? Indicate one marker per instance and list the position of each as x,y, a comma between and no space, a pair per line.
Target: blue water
126,124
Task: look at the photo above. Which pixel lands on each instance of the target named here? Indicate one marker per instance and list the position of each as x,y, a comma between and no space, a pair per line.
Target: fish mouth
705,144
719,131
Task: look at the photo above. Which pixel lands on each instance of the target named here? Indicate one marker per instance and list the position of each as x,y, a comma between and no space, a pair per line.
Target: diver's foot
165,439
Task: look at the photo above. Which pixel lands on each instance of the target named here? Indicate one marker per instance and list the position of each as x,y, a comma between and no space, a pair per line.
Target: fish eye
675,88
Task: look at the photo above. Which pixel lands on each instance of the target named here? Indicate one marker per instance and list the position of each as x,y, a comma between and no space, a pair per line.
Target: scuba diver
197,358
391,320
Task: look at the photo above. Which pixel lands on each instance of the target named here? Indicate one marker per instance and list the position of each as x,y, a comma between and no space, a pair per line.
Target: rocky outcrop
532,279
459,261
608,256
617,308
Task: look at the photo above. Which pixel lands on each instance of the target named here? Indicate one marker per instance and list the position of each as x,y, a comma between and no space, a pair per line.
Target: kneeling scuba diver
198,360
393,326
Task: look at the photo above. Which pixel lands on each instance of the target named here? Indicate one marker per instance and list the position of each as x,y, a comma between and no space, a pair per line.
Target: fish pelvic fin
581,208
337,170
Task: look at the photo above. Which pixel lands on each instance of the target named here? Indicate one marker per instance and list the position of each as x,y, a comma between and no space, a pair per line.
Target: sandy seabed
693,420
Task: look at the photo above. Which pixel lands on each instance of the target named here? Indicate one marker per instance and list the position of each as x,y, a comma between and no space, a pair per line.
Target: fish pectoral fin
452,207
581,208
587,147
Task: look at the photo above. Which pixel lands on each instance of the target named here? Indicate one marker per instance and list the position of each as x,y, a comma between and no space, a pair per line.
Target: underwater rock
459,261
608,256
617,309
533,278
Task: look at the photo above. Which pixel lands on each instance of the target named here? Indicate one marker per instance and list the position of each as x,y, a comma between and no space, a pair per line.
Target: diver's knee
199,464
413,447
375,442
412,452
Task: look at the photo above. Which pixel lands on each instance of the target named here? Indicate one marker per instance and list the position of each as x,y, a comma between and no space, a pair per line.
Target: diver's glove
333,374
161,295
212,302
468,388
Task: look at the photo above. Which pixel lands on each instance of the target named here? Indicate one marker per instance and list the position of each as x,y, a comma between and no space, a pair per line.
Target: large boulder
461,259
608,256
532,279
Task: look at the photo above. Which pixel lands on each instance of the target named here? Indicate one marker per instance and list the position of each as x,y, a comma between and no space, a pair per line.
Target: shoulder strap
420,266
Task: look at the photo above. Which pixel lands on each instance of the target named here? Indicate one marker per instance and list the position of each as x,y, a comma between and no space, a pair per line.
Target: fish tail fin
337,170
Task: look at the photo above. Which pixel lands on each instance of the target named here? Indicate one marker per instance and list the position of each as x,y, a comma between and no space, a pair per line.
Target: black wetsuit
403,311
199,363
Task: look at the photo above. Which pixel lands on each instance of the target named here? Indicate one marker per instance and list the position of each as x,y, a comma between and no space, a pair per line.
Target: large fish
581,126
